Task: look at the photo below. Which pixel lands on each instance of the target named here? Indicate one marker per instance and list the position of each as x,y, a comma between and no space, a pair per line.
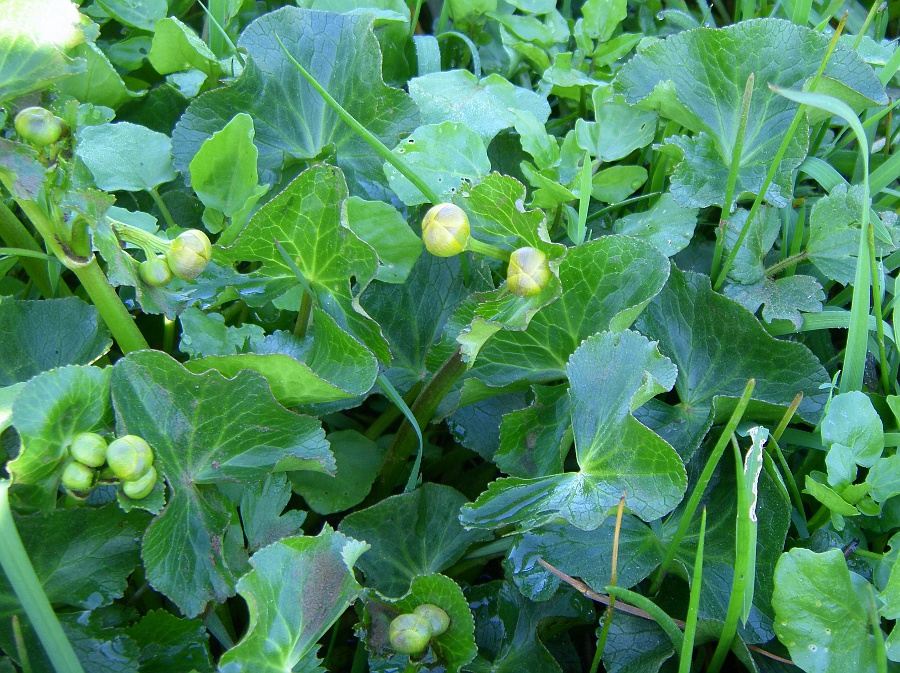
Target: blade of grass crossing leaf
879,321
473,49
799,115
741,598
218,7
890,68
736,153
397,399
292,265
875,8
800,15
363,132
833,8
855,355
690,624
659,615
702,482
584,201
28,590
607,622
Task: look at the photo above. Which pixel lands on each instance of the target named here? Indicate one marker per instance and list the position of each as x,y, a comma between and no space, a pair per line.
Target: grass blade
28,590
400,403
690,624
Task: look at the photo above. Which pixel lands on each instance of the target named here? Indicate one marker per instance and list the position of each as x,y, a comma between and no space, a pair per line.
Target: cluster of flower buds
411,632
128,459
446,232
185,258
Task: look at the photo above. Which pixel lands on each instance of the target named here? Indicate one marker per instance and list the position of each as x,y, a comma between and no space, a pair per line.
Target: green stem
736,153
480,247
168,335
390,415
879,323
167,216
30,254
799,116
27,587
788,476
700,488
819,519
94,282
659,615
149,243
778,267
364,133
406,439
15,234
303,315
414,21
690,622
741,568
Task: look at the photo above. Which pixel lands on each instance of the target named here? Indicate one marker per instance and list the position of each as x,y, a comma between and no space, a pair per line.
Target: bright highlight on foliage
449,335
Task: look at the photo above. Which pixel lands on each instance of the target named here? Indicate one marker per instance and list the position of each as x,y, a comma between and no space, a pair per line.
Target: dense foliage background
640,412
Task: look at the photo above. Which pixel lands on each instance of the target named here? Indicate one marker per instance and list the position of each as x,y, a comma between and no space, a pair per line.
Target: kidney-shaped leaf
126,156
610,374
297,589
341,52
198,442
694,78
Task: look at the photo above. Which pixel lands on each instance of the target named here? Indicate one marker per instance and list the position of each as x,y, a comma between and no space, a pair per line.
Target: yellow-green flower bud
138,489
89,449
189,254
410,634
155,271
78,477
129,457
38,126
437,618
445,230
528,272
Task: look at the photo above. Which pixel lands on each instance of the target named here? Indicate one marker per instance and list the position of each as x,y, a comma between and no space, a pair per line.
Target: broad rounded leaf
42,335
297,589
126,156
853,422
341,52
198,442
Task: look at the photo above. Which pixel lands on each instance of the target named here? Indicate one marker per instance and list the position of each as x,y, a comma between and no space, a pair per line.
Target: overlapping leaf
186,551
694,78
341,52
610,375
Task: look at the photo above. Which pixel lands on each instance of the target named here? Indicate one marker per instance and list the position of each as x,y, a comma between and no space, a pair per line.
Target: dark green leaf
171,644
262,505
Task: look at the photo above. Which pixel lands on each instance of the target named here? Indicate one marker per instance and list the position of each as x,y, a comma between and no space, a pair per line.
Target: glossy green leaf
444,155
297,589
325,366
358,460
476,425
48,413
618,131
126,156
34,52
177,47
610,374
602,16
412,534
534,441
141,14
262,512
485,106
718,346
382,226
692,78
614,185
100,83
822,612
783,299
341,52
309,221
223,172
606,283
884,476
447,652
667,226
853,422
511,631
185,551
34,339
87,570
750,262
171,644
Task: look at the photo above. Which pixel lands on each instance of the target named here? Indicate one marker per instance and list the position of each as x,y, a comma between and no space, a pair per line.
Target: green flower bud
155,272
410,634
189,254
38,126
437,618
528,272
129,457
445,230
78,477
138,489
89,449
